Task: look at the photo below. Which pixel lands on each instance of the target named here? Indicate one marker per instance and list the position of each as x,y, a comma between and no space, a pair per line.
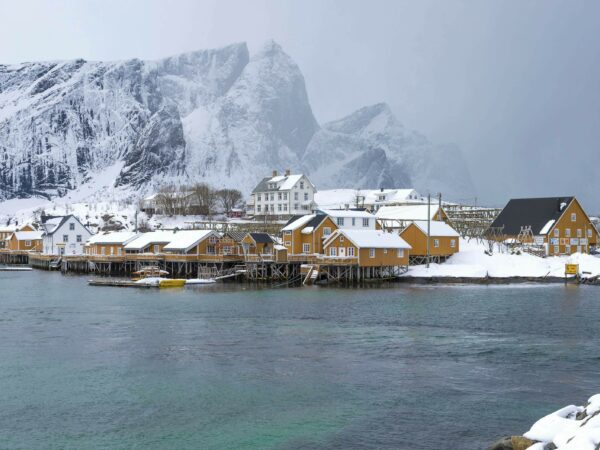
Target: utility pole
136,221
428,225
439,206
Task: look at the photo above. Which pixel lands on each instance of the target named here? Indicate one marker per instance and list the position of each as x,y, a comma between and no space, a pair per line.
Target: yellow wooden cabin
230,244
109,244
443,240
306,234
30,241
367,248
258,244
559,224
193,242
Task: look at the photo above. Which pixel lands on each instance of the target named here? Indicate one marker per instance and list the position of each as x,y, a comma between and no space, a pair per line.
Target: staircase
312,275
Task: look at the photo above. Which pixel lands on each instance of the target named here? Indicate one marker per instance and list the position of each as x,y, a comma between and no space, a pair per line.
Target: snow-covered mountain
219,116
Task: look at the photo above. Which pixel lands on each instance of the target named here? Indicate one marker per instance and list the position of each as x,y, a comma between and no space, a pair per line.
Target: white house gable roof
406,212
116,237
28,235
153,237
370,239
436,228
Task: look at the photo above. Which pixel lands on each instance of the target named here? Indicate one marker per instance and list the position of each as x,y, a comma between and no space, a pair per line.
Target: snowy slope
214,115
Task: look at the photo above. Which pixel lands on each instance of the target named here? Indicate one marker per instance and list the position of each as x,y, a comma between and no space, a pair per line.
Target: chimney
287,172
274,173
381,189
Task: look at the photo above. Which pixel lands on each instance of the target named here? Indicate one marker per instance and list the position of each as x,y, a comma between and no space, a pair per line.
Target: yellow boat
171,283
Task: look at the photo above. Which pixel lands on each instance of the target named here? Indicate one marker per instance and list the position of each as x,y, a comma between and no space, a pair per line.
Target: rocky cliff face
213,115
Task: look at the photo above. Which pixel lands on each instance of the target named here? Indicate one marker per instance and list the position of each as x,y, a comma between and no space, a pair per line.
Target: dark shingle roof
261,238
314,222
263,186
530,211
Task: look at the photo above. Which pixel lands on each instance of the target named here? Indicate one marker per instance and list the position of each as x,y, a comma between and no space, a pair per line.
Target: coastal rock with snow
218,115
569,428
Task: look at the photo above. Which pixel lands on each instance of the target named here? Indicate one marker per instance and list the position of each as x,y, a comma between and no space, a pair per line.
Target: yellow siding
566,230
418,241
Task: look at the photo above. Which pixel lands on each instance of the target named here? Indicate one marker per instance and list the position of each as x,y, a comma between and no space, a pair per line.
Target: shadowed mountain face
213,115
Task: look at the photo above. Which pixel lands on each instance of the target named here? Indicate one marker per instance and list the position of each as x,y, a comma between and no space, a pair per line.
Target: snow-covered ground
472,262
570,428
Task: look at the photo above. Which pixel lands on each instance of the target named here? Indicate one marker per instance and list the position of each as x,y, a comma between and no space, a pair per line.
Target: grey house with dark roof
558,223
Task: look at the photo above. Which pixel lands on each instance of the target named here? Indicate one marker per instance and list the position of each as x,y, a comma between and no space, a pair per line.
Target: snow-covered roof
298,223
184,240
346,213
115,237
279,247
546,228
339,198
8,229
28,235
153,237
436,228
308,230
284,183
406,212
370,239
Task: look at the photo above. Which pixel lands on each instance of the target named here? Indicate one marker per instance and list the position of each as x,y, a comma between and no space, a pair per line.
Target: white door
342,251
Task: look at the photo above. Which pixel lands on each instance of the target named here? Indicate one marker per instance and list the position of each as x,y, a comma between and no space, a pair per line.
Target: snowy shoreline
569,428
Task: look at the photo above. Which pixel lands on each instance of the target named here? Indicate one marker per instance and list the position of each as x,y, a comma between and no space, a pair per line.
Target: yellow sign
571,269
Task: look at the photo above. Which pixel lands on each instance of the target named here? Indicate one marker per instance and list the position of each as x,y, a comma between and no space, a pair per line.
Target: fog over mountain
220,116
513,85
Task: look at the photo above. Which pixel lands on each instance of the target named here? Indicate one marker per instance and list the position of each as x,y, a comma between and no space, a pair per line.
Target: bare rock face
212,115
512,443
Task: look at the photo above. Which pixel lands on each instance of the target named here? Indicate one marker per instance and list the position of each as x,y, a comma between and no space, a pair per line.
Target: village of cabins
289,230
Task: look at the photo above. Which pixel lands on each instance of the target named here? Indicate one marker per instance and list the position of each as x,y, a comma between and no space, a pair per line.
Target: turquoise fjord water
226,367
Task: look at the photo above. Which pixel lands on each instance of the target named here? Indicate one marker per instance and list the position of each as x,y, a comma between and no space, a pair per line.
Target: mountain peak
373,119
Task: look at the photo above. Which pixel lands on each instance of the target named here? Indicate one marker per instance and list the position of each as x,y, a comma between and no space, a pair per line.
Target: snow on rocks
473,262
569,428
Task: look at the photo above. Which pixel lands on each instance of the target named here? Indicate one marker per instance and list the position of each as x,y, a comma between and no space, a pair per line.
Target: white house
64,235
351,219
369,199
283,195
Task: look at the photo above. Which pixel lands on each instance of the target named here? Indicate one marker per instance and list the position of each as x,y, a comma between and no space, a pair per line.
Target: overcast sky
514,83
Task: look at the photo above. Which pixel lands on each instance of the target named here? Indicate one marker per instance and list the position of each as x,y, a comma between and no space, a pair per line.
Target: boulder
512,443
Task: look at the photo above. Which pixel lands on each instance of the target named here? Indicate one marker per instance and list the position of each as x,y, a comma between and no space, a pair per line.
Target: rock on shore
569,428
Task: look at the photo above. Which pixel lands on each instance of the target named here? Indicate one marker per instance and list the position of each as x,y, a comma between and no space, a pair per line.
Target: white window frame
452,243
326,231
567,232
556,249
305,248
366,222
339,221
400,253
156,248
371,253
556,232
27,243
436,243
579,232
351,251
332,251
567,249
573,217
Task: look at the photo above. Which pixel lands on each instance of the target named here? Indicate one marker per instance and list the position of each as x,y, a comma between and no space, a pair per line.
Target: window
589,233
212,239
102,250
567,249
452,243
258,208
279,207
272,196
226,250
266,208
436,243
400,253
381,198
118,251
279,196
371,253
78,238
287,232
567,232
288,244
306,196
295,196
340,221
305,207
296,206
579,232
573,217
65,238
326,231
210,249
156,248
365,222
354,221
556,232
556,249
332,251
112,251
350,251
259,197
341,238
385,251
302,185
285,195
285,206
305,248
27,243
71,226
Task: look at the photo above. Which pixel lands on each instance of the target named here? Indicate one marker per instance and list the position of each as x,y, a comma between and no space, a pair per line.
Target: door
342,251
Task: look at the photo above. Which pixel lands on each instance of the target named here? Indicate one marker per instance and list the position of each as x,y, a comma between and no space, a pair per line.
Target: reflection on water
230,366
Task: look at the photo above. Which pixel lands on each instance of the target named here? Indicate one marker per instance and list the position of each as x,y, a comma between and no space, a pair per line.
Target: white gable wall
68,239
